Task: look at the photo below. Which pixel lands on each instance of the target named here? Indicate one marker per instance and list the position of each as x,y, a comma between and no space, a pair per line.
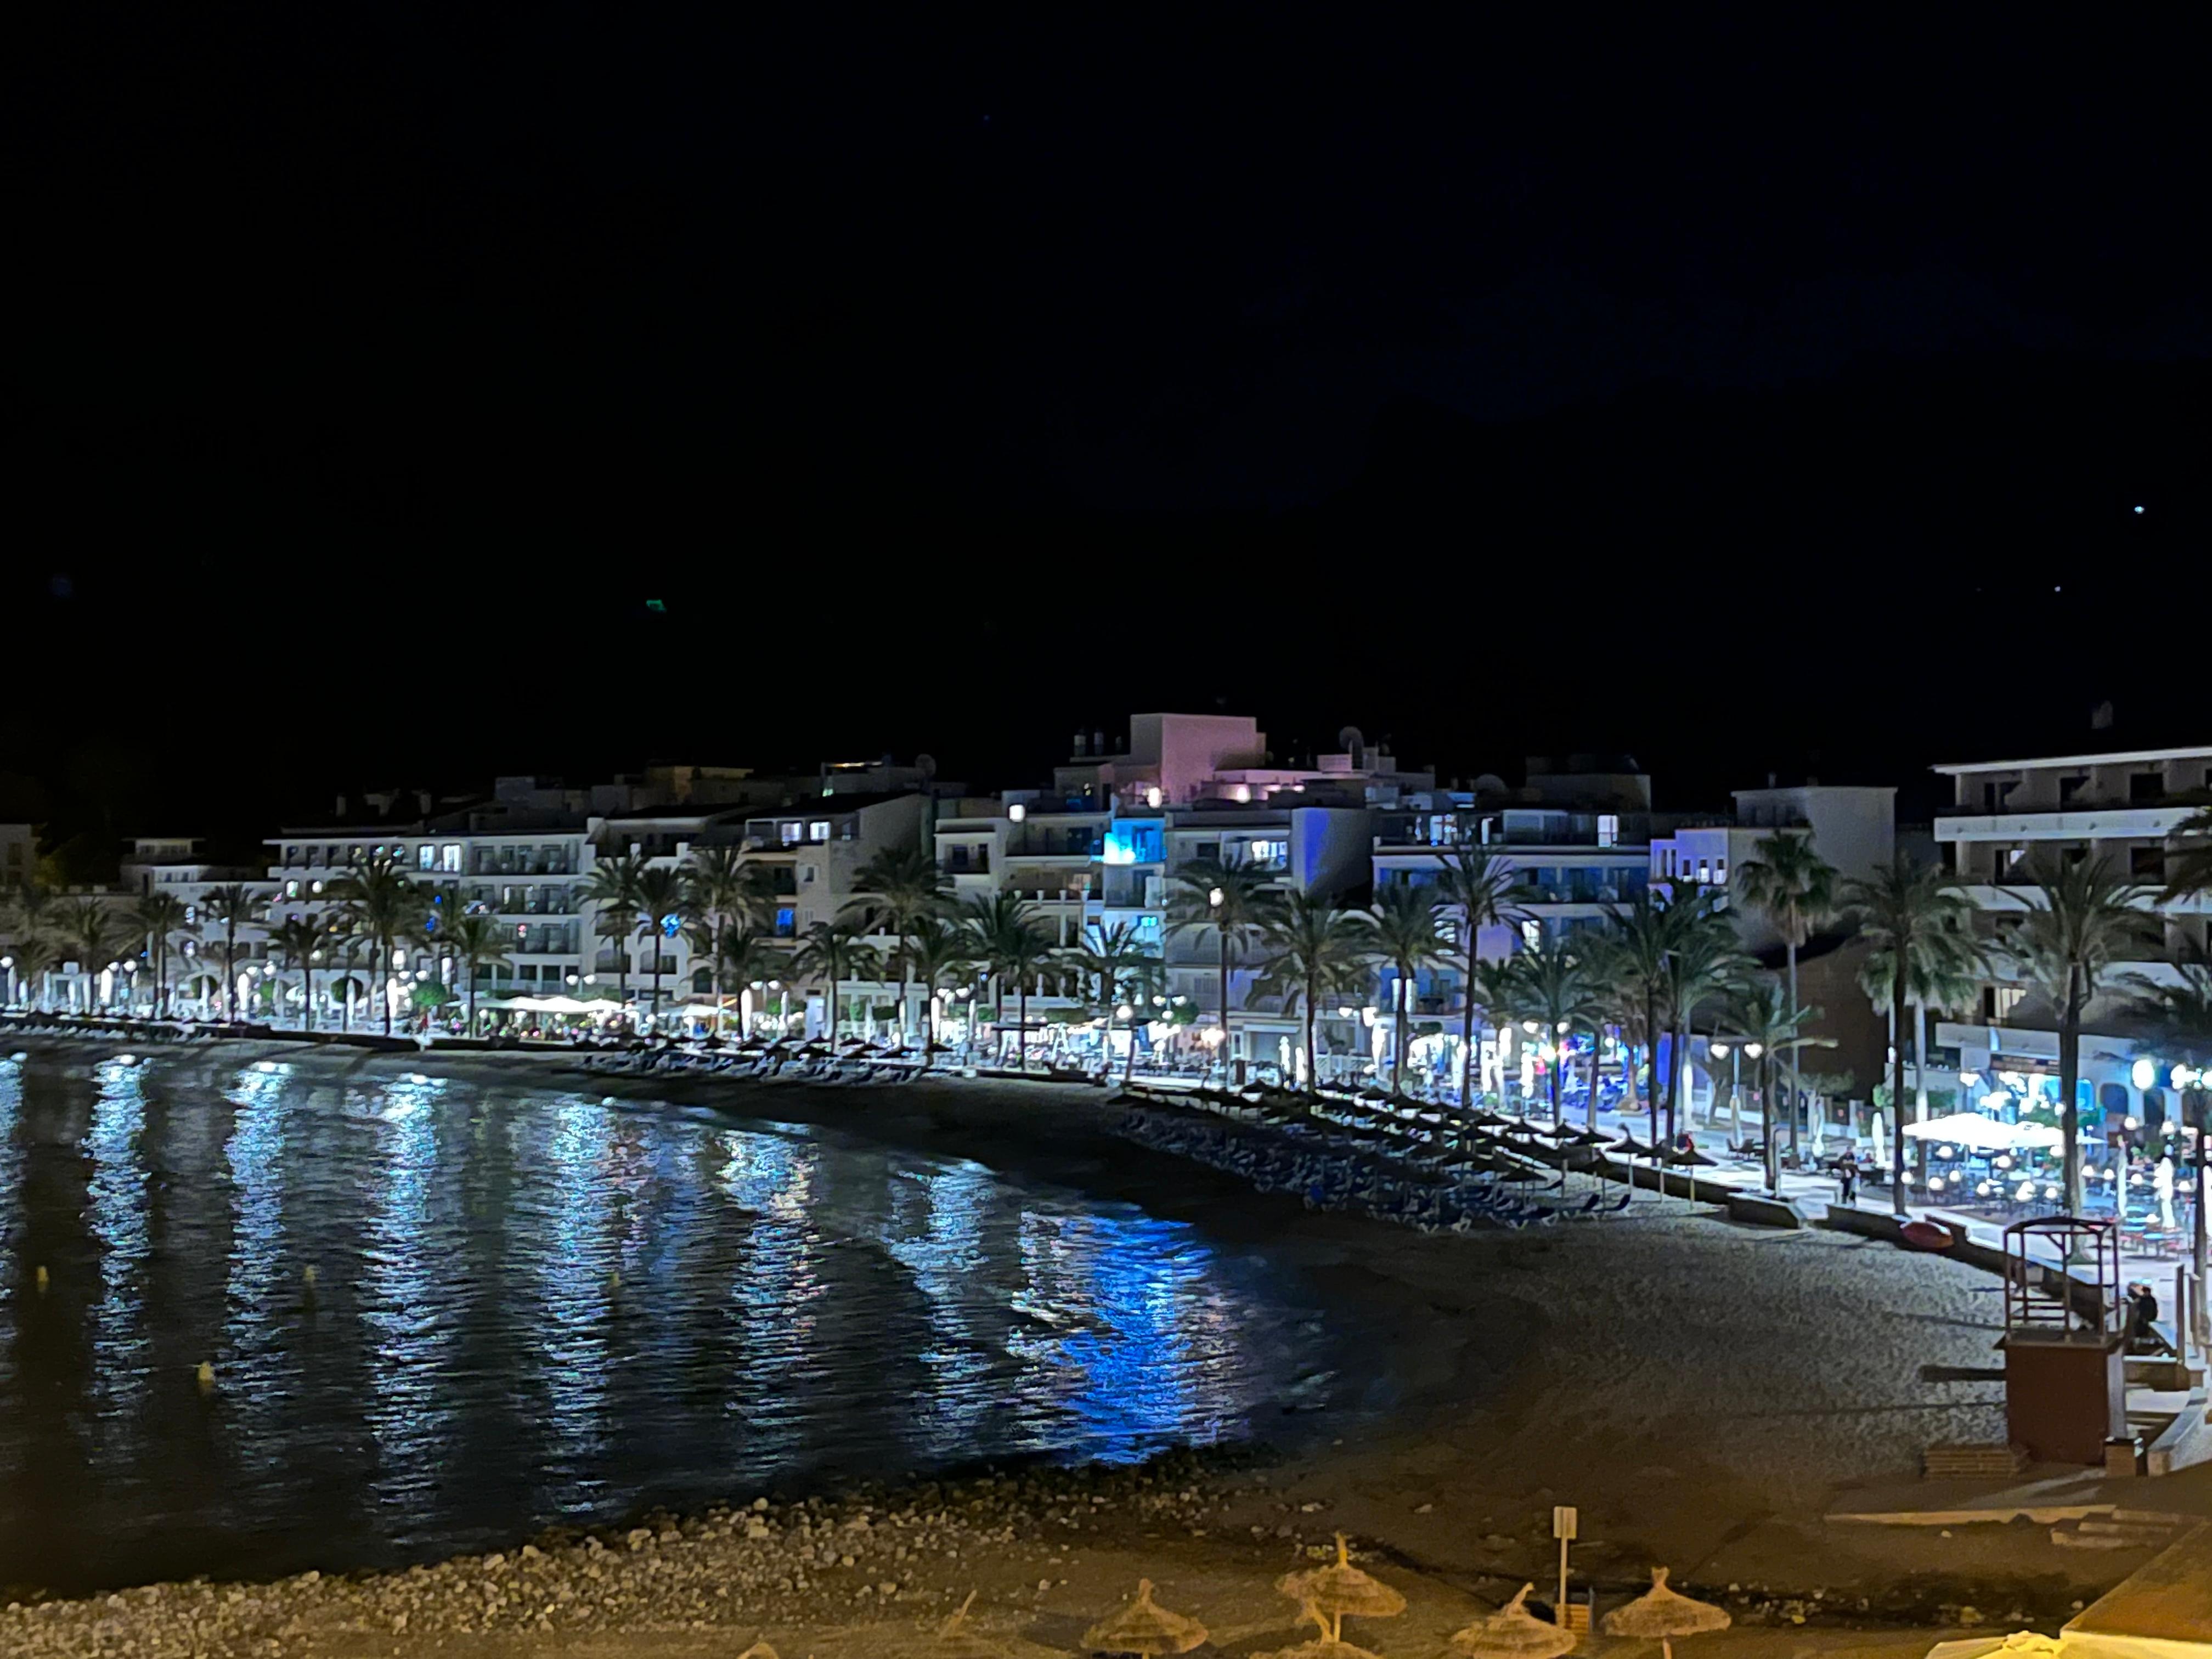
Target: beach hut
1145,1627
1661,1614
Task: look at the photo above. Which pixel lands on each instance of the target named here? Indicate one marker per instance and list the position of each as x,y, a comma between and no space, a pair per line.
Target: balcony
2074,821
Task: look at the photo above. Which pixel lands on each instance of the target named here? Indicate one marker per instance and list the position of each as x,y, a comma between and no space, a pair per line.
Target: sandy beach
1702,1392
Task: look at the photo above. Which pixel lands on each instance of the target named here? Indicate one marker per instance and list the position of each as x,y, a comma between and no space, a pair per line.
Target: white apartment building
1854,827
2121,807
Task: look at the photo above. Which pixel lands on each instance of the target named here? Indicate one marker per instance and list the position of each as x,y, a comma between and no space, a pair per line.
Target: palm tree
611,889
1545,981
1794,888
1410,933
1234,900
1635,970
745,956
1314,949
1770,1030
1482,888
2082,918
2180,1016
935,952
160,917
835,952
379,906
230,907
1008,942
1913,919
898,890
36,959
298,942
728,891
476,943
96,934
2189,871
662,895
1704,962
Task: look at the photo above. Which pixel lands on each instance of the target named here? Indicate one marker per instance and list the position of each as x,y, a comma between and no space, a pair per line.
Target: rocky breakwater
747,1569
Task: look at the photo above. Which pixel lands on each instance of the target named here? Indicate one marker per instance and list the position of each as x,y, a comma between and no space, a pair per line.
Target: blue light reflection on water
535,1308
116,1214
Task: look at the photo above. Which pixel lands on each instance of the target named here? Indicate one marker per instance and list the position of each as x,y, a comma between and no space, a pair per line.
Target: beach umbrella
956,1641
1324,1646
758,1651
1513,1633
1145,1627
1340,1591
1629,1146
1660,1614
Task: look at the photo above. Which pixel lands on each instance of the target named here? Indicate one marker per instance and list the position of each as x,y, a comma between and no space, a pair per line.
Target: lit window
1532,932
291,889
1271,851
819,829
790,833
1609,830
449,857
426,857
1720,872
1704,870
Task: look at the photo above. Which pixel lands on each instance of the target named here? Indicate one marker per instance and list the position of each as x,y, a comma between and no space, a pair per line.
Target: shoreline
1596,1365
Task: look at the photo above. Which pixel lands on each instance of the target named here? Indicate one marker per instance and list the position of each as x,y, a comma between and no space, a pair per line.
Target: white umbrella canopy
1983,1134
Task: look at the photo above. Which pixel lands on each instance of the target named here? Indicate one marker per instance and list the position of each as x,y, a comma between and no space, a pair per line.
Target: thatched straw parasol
1340,1591
1513,1633
758,1651
1145,1627
1660,1613
1323,1646
956,1641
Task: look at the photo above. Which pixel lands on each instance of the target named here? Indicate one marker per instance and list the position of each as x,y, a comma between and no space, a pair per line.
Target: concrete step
2089,1540
2123,1529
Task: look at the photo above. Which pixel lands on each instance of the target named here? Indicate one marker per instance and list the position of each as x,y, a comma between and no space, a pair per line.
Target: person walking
1847,1178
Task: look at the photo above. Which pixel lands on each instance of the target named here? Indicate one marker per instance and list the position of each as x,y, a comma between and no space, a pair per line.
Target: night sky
1749,397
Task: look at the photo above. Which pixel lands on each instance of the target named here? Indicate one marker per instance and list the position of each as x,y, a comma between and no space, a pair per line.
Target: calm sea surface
530,1308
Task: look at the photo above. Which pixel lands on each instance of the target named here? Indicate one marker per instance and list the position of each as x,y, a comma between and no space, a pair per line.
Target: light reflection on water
533,1308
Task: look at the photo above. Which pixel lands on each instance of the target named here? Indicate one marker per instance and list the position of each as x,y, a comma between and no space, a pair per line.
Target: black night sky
1750,396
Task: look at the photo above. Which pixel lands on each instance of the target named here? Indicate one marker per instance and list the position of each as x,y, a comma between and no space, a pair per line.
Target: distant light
656,604
2143,1074
2139,509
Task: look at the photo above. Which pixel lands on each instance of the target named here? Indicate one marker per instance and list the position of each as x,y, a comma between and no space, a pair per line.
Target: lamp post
1769,1155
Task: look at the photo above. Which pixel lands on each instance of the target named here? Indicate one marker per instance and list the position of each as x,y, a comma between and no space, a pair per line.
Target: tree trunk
1651,1058
1897,1096
1402,1031
1129,1062
1772,1150
1558,1067
830,1014
1597,1064
1022,1013
2070,1072
230,972
1794,1084
472,1000
1467,1046
1919,1060
1224,933
384,967
1313,1058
